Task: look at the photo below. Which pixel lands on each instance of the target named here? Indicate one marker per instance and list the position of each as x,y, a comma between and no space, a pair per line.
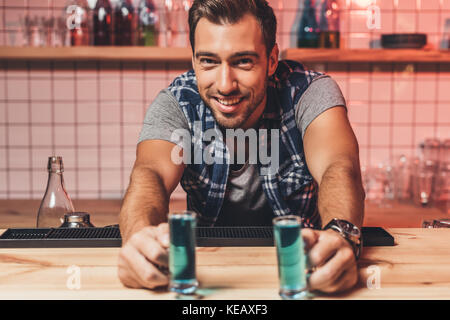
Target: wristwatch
350,232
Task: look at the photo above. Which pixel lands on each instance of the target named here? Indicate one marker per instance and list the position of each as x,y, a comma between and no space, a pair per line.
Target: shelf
366,55
97,53
184,54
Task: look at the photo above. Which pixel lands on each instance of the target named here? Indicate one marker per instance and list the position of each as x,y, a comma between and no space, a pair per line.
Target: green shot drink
182,252
291,257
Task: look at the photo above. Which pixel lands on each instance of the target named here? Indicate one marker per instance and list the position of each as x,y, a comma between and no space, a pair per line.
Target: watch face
349,228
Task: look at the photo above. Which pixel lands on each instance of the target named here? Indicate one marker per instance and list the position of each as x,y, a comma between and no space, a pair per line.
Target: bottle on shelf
329,35
307,33
148,21
76,13
123,23
102,23
56,201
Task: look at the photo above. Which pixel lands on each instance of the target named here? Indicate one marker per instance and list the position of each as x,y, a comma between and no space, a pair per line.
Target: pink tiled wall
91,112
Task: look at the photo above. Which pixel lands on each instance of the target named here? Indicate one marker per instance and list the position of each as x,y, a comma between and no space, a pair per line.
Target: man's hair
231,11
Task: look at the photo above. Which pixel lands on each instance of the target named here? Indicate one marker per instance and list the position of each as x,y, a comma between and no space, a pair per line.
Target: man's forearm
146,202
341,194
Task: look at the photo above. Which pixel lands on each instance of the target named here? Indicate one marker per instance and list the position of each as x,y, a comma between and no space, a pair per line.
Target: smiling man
237,82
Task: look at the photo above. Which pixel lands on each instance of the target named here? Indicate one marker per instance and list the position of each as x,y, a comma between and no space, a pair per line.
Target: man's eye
207,61
244,62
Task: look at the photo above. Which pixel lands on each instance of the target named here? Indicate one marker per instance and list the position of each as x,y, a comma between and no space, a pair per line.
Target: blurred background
90,110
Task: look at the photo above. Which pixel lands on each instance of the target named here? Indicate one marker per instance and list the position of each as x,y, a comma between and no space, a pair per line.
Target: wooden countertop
418,267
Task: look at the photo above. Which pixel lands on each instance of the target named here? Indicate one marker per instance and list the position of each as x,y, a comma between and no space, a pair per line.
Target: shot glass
291,257
183,279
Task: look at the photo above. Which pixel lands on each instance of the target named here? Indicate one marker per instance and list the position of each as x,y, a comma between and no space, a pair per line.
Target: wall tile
3,185
110,134
17,89
423,132
380,113
358,112
64,89
88,181
402,135
18,112
362,134
132,89
41,112
19,158
87,89
64,112
403,113
403,90
39,158
405,22
40,89
380,136
425,91
428,22
381,90
443,113
443,90
87,112
18,136
41,136
110,158
87,135
430,4
87,158
131,134
425,113
110,112
64,135
133,112
358,90
19,182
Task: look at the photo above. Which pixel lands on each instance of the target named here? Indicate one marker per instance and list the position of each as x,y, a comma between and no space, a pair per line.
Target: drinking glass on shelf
423,181
402,178
379,185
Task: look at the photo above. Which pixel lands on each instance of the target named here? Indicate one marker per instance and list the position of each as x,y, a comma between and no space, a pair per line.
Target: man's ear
273,60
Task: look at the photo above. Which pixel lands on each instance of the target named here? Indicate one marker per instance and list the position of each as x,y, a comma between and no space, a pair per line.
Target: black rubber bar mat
206,237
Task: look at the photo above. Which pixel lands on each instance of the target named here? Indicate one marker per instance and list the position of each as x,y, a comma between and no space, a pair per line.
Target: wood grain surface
417,267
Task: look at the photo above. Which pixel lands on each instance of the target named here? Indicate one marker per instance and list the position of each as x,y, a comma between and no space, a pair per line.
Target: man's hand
143,259
333,259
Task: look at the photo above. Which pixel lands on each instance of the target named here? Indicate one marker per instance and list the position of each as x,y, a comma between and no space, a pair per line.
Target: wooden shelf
184,54
367,55
97,53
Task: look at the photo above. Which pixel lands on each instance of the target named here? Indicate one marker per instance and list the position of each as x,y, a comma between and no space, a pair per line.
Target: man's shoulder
291,72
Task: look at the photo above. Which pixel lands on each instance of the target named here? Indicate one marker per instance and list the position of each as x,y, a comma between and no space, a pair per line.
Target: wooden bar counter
417,267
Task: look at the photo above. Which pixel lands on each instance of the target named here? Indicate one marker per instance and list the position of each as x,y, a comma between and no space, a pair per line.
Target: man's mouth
228,105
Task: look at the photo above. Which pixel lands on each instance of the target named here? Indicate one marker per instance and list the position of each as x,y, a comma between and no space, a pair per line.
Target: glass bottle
307,33
77,22
147,23
329,25
56,202
123,23
102,23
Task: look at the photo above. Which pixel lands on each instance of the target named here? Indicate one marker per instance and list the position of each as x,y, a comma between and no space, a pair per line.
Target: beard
234,121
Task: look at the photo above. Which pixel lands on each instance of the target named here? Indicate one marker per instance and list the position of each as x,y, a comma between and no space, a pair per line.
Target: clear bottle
56,201
123,23
102,23
307,33
148,23
329,34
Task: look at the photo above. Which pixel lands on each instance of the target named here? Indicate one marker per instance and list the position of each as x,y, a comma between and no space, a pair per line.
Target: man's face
232,70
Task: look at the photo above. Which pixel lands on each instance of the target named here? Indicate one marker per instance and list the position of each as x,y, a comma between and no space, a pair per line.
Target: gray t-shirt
245,203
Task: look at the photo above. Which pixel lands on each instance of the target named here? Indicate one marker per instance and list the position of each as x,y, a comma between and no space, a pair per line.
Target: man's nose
227,82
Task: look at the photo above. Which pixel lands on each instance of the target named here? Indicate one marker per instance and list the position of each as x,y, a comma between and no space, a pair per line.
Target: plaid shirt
291,188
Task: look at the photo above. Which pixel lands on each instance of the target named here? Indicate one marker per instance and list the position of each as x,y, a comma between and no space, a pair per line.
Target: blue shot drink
182,252
291,257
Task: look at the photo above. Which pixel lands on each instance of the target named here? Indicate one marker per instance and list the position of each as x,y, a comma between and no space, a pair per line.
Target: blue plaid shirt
291,188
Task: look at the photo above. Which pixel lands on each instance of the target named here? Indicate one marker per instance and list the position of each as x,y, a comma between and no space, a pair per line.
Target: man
238,83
